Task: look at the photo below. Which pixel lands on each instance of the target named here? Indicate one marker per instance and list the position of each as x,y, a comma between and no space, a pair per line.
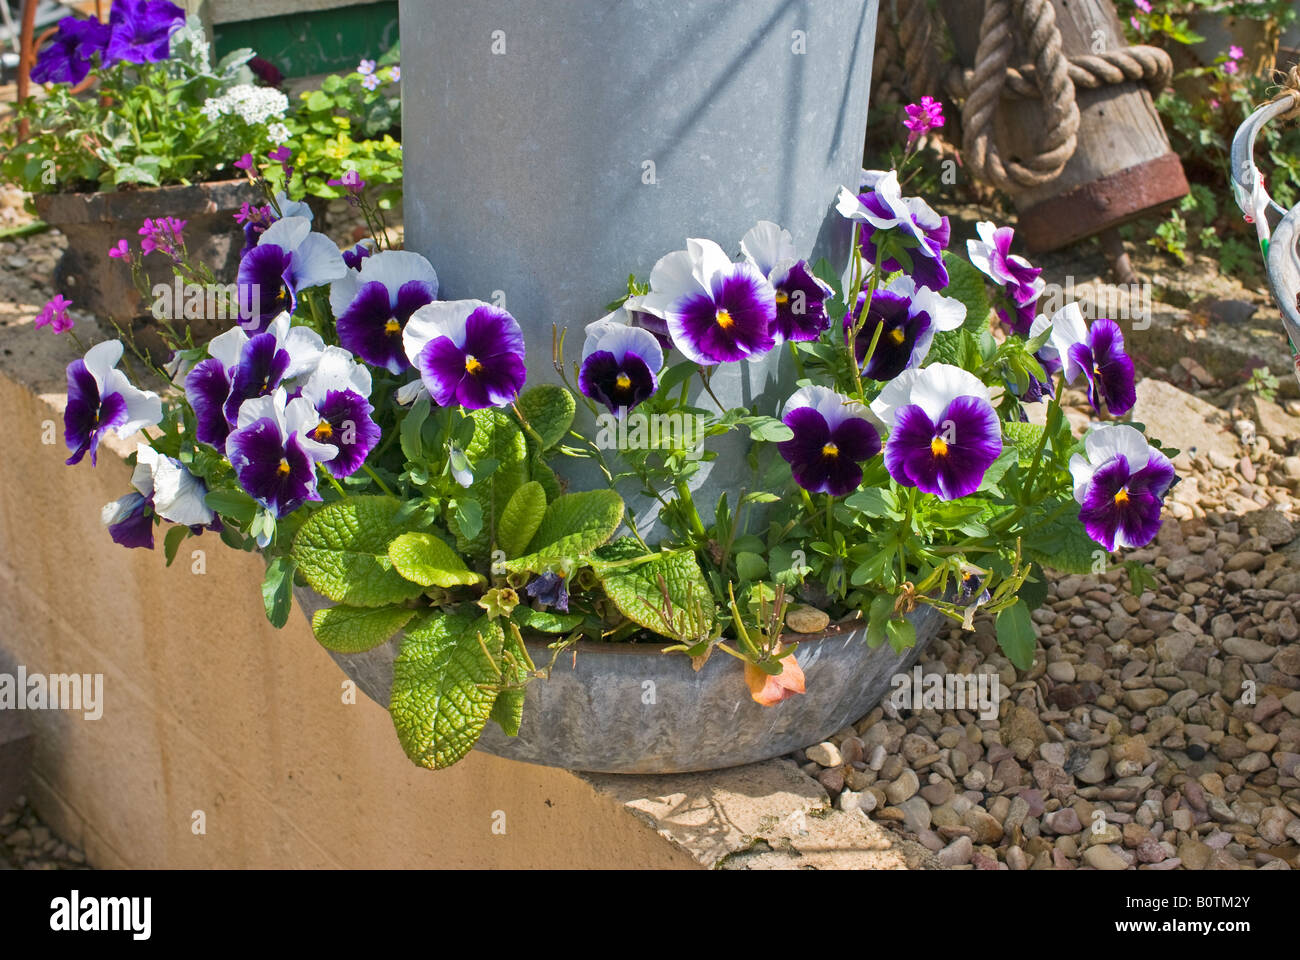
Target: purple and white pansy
800,297
944,432
164,488
467,352
716,311
1120,483
100,398
241,367
911,226
339,389
832,438
288,258
908,317
620,363
274,454
1108,370
374,303
1019,279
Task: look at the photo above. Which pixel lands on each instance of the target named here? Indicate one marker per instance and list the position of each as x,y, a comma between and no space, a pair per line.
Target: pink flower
923,117
1230,67
55,314
1143,5
350,181
370,81
1134,22
164,234
395,74
245,163
1214,104
121,252
366,67
281,154
1235,53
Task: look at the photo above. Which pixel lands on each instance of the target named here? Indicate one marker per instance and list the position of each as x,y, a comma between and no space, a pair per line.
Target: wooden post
1123,168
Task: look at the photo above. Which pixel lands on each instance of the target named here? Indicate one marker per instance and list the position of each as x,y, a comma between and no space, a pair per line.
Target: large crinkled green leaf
429,561
345,629
342,551
574,525
549,410
497,438
541,471
521,518
1024,437
445,681
638,590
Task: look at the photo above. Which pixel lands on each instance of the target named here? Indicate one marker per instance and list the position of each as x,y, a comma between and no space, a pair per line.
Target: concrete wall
206,707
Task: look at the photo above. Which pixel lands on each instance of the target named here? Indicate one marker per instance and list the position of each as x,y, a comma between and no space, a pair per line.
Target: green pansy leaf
277,590
901,634
445,681
427,560
235,504
1016,635
342,551
1024,437
521,517
1062,544
345,629
750,567
549,410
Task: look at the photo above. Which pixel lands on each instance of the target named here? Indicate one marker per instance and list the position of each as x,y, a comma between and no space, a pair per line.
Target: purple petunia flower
944,432
273,453
800,296
69,55
374,304
1107,368
909,318
832,437
338,389
550,590
715,310
242,367
100,398
620,363
906,227
467,352
288,258
1019,280
1120,486
141,30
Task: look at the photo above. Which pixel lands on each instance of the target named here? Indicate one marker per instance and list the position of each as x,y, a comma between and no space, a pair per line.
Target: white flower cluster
254,105
277,133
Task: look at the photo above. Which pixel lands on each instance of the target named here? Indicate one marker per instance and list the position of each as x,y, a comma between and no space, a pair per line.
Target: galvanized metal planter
628,708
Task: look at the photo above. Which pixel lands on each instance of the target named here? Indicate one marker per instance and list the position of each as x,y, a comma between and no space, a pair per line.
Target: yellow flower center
830,450
724,319
283,468
1121,497
782,298
939,447
392,326
623,381
897,336
472,365
324,431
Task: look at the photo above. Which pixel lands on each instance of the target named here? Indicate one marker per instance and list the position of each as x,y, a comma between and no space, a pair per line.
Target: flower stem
375,477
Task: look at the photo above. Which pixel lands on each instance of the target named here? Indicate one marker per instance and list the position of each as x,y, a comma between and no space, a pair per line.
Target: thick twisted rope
1052,77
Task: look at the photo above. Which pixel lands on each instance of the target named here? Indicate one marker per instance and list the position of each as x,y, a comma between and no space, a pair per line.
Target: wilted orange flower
770,690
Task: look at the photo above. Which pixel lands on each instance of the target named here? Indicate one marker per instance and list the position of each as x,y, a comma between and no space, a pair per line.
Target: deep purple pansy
467,352
338,388
944,433
908,318
620,363
832,438
715,310
100,398
1107,368
273,453
1120,485
800,297
373,305
288,258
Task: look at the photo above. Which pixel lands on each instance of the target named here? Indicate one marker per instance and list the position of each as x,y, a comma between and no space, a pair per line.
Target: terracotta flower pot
628,708
95,222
